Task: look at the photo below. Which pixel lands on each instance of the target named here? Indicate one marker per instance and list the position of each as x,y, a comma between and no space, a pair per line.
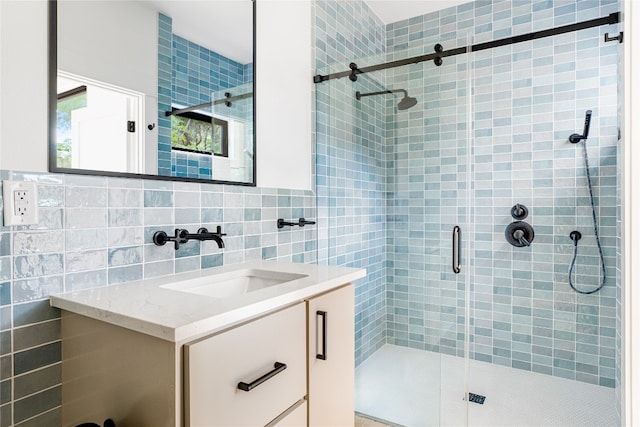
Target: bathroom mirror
159,89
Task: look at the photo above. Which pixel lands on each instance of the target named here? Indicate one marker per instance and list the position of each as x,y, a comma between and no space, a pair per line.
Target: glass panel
427,199
234,107
352,158
392,182
506,341
543,354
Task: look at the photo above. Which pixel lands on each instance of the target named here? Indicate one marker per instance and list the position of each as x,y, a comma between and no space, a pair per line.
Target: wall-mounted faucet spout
204,234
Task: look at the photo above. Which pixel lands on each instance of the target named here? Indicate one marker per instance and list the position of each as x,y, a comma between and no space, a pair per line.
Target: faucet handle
219,232
160,238
182,235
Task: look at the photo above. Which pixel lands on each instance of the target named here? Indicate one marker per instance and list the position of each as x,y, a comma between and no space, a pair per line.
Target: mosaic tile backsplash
517,105
96,231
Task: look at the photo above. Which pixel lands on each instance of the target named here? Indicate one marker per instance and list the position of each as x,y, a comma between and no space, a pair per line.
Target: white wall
23,85
24,67
284,94
283,88
115,42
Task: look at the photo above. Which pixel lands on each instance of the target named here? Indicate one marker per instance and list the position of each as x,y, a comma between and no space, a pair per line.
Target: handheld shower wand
575,138
576,235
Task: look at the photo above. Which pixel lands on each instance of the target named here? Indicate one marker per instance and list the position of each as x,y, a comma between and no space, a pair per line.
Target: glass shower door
428,234
541,353
392,198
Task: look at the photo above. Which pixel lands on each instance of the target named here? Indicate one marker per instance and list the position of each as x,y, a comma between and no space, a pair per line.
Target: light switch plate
20,202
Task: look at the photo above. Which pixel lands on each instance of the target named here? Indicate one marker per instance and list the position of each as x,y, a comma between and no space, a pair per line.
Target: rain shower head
405,103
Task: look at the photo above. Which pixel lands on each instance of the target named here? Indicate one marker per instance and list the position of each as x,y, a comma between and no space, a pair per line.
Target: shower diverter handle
519,234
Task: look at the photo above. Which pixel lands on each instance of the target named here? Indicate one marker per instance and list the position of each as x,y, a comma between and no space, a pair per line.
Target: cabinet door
296,416
331,358
253,354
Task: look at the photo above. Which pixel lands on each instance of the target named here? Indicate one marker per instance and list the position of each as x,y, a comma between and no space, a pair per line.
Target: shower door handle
455,249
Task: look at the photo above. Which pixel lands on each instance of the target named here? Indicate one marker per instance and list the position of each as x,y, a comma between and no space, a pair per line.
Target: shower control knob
519,234
519,211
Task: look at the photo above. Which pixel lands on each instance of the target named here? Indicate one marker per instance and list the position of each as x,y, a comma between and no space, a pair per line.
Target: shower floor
414,388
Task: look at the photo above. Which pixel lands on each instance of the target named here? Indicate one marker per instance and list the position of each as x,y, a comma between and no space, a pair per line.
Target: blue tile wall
165,93
188,74
526,100
96,231
518,108
351,163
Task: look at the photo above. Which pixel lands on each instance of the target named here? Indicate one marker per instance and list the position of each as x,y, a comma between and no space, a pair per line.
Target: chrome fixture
181,236
405,103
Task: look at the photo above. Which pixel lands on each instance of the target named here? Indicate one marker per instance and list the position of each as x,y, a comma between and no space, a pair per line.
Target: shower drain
476,398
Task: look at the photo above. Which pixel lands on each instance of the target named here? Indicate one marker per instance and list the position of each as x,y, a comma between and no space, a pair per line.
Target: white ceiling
397,10
229,32
224,26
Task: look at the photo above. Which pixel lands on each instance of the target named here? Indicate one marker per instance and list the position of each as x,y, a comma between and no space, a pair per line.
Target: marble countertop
147,306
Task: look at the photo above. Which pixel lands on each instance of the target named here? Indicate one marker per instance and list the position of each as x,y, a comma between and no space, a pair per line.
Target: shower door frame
631,205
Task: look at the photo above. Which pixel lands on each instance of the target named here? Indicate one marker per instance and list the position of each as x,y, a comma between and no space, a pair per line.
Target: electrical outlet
20,202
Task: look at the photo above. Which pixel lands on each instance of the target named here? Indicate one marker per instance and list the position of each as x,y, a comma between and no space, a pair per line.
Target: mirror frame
53,105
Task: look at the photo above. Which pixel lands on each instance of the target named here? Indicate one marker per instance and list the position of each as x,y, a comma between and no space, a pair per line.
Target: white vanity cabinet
289,375
331,358
266,356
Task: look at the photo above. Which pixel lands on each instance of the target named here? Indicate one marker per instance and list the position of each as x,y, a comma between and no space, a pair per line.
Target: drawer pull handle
323,355
277,368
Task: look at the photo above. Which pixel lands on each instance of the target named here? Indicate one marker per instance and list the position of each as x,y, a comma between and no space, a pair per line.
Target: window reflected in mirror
199,133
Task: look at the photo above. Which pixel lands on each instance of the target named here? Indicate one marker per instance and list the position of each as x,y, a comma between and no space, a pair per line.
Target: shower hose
595,230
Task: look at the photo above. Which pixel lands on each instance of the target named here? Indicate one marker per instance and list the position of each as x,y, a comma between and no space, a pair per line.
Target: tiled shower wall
95,231
351,163
526,100
518,108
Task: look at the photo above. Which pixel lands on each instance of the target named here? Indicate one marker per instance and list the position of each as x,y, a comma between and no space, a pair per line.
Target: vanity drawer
215,366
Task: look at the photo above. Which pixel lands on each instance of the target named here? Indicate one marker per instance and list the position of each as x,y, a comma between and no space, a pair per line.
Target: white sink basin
234,283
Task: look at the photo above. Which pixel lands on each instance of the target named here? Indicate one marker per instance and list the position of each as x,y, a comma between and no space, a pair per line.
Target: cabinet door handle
277,368
323,354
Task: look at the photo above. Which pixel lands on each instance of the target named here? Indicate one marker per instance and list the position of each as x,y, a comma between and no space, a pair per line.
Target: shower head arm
360,95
